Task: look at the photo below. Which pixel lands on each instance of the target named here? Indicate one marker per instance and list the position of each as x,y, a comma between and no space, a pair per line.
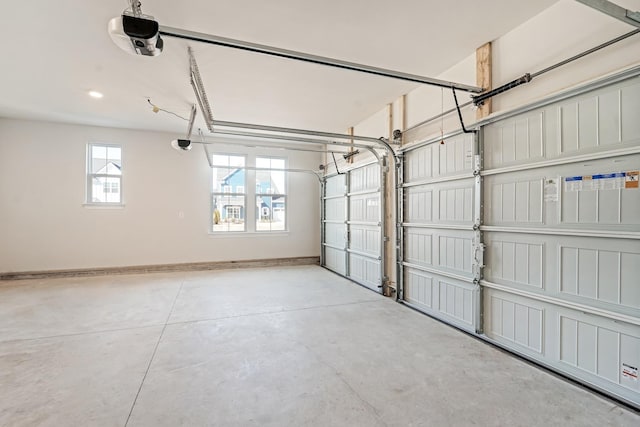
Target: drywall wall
559,32
45,226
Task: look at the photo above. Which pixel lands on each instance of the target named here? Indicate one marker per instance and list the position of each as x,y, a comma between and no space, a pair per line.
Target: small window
104,174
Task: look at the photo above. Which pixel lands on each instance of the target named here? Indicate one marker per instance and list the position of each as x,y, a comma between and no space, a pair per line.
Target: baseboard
162,268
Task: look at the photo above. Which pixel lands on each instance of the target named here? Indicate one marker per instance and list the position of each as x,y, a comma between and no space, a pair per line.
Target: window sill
222,234
104,205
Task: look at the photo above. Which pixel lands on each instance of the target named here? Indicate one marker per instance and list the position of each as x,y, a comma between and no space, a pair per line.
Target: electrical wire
156,109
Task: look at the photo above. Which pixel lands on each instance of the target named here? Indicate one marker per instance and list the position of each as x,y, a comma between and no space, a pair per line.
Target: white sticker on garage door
551,189
604,181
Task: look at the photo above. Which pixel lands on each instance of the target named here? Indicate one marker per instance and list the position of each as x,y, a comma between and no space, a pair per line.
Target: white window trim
271,194
223,192
250,193
88,192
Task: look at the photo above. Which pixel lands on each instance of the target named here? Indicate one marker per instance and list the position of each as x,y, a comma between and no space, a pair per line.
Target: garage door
562,235
440,205
352,221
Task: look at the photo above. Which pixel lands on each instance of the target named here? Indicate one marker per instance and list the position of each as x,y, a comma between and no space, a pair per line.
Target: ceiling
54,52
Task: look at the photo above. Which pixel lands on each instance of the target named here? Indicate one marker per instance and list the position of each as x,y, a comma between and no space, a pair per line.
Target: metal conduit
314,59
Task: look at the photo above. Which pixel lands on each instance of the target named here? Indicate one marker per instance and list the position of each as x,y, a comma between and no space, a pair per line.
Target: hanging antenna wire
156,109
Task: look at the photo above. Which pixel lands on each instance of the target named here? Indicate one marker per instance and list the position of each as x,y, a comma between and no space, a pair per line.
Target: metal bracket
478,258
615,11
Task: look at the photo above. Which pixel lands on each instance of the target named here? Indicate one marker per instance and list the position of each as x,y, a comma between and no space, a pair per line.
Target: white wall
44,225
561,31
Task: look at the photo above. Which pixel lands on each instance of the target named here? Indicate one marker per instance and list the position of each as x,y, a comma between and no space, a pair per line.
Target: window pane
104,160
228,180
270,213
113,154
263,182
277,182
97,191
220,160
263,162
277,163
236,161
228,213
98,159
112,190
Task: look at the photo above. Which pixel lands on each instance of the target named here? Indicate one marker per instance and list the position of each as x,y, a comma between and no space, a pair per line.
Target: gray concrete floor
296,346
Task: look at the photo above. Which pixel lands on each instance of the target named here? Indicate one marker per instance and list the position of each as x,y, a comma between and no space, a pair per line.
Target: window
228,199
271,194
104,174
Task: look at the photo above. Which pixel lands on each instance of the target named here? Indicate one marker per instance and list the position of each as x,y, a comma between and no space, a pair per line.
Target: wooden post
483,76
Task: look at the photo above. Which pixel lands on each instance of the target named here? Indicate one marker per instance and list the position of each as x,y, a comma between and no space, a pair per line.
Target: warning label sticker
629,372
605,181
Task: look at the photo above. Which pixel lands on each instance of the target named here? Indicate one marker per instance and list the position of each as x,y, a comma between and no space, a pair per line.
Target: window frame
226,191
90,176
270,193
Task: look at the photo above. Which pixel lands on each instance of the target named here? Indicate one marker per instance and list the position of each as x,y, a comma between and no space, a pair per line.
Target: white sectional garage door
562,230
555,218
440,240
352,225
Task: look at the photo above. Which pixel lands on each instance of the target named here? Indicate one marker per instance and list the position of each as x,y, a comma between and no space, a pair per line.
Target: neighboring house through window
229,193
228,199
271,194
104,174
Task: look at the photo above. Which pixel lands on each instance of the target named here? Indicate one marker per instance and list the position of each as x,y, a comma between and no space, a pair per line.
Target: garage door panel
335,209
365,239
629,107
597,349
335,185
446,250
592,348
516,141
514,321
601,120
336,234
450,202
454,157
455,252
365,208
602,272
443,297
364,178
365,271
513,259
514,199
335,260
518,198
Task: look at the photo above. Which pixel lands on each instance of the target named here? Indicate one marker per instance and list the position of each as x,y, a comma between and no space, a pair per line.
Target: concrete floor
295,346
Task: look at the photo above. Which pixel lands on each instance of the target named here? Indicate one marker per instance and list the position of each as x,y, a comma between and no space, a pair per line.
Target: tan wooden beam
483,76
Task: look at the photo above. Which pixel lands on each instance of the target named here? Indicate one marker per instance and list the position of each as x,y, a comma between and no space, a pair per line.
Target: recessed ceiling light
95,94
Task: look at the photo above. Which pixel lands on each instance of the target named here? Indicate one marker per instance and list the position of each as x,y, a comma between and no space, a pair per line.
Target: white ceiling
54,52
